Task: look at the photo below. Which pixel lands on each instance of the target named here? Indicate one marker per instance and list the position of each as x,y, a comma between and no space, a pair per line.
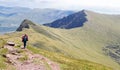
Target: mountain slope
98,32
49,42
77,44
89,39
12,16
72,21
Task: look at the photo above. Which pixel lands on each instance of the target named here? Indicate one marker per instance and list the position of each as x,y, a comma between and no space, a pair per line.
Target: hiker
24,40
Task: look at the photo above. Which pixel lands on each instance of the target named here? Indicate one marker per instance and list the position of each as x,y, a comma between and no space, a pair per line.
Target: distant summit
25,24
72,21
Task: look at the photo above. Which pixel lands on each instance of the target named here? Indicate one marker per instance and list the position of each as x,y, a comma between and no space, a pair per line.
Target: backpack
25,38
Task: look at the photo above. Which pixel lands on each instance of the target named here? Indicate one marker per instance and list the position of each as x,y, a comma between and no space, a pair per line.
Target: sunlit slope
88,41
84,42
51,44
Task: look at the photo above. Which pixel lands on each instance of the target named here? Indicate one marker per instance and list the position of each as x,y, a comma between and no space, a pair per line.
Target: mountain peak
72,21
25,24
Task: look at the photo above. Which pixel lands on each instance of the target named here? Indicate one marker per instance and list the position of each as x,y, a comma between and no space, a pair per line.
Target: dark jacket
24,38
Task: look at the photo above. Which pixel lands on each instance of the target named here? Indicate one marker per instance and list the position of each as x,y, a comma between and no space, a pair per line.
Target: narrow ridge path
33,61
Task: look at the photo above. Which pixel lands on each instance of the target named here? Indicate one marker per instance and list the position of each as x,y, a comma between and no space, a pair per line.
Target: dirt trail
33,62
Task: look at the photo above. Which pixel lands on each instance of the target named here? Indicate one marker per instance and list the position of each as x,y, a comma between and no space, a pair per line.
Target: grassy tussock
2,42
3,51
24,58
2,63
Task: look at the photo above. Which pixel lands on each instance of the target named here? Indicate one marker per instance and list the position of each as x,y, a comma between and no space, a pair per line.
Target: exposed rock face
24,24
72,21
113,51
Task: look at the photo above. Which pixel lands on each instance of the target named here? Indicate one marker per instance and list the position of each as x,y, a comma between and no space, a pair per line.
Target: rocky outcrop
25,24
72,21
10,43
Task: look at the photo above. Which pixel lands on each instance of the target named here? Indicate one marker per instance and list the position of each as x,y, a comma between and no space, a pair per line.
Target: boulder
10,43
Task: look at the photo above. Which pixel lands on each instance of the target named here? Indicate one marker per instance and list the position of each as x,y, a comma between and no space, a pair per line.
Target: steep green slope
84,43
66,62
88,41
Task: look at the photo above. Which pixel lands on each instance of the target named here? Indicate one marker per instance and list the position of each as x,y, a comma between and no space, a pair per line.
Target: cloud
65,4
61,3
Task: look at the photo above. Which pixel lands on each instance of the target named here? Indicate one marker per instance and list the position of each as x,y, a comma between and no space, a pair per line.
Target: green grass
47,66
68,63
71,50
3,51
2,63
24,57
71,47
2,42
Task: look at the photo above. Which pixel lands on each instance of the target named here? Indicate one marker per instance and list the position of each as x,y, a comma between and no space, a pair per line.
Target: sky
102,6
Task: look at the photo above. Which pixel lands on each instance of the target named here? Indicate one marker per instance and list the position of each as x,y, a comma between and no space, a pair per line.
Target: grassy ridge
66,62
78,44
